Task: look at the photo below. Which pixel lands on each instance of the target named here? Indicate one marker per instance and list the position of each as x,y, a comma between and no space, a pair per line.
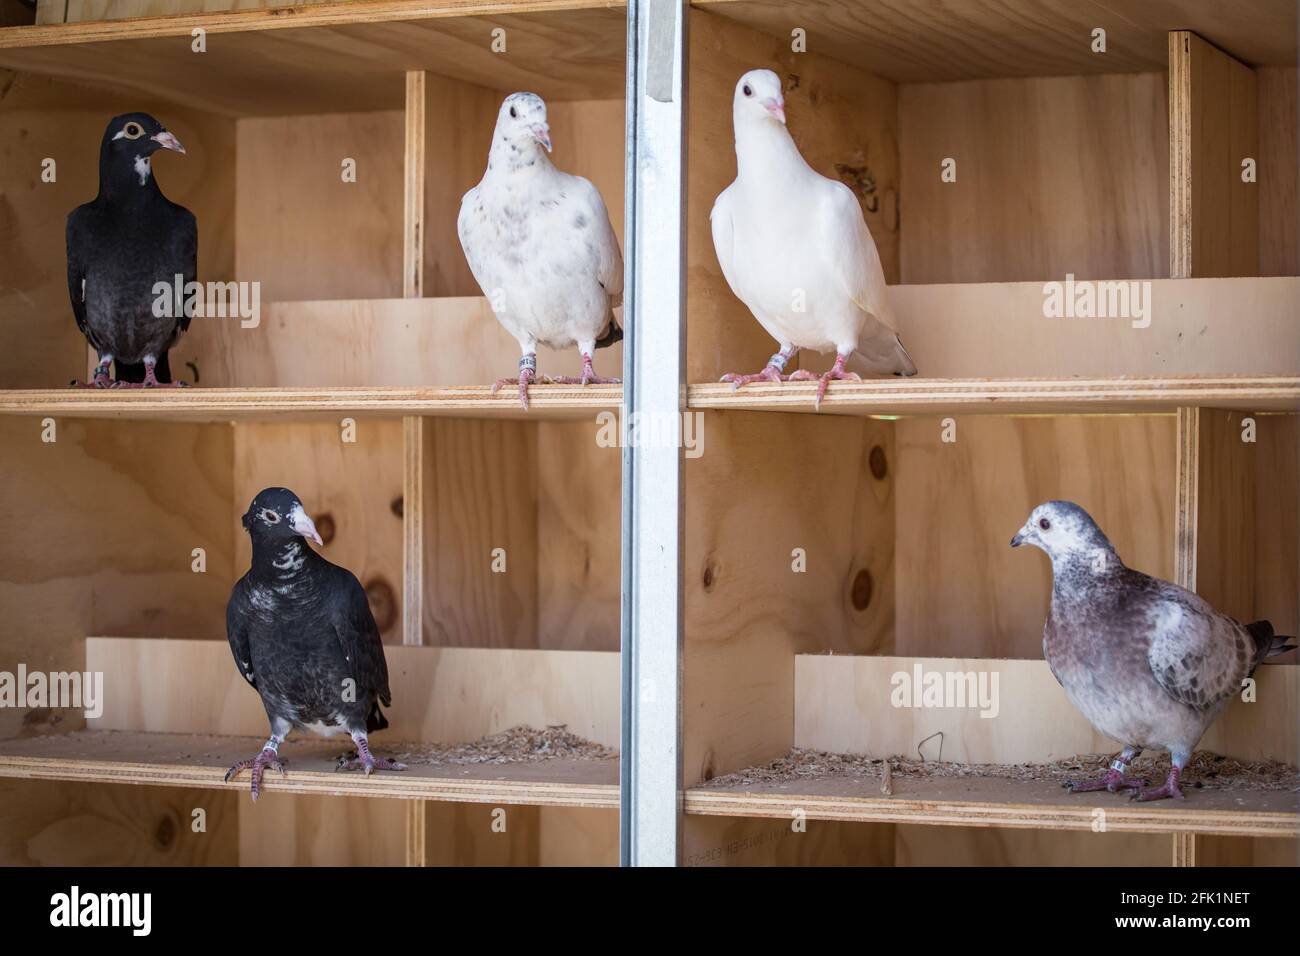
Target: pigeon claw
1113,781
367,763
769,374
836,373
267,758
1165,791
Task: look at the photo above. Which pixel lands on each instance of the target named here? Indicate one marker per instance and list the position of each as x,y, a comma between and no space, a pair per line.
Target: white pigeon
541,246
795,249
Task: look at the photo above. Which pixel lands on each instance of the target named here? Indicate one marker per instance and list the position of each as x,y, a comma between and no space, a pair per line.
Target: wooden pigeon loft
1068,162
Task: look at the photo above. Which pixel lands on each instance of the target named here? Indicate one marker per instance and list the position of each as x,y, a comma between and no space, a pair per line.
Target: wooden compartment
106,520
1120,171
361,278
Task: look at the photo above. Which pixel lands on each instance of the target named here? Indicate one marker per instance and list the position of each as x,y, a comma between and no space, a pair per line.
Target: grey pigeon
120,245
795,249
1149,663
540,245
302,634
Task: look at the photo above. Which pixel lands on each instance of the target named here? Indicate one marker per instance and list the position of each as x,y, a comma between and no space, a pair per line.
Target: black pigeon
303,635
120,244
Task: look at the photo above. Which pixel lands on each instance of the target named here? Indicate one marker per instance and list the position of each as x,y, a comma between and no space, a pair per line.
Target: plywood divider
413,530
1184,849
444,695
1213,127
845,705
367,343
413,195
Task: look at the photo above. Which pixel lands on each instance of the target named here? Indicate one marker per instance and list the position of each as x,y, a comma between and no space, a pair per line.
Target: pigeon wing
237,631
1197,655
358,635
609,269
724,233
76,271
185,242
849,248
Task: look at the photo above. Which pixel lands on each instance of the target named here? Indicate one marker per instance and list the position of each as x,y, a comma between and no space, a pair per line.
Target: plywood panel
932,40
52,823
845,705
1246,851
284,829
480,496
766,485
578,836
41,119
579,512
312,235
961,589
1213,214
1278,90
441,695
336,58
101,525
1247,525
1054,176
349,489
368,342
735,841
1003,329
979,846
845,123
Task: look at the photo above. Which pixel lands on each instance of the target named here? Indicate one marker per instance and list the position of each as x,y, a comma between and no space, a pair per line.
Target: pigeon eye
746,90
132,130
270,517
1044,523
513,114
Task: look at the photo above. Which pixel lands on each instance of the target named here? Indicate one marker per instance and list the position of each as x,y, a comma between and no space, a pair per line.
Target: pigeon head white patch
759,98
1061,529
521,123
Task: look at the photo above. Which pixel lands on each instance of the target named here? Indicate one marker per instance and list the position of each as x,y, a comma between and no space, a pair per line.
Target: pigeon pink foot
589,376
365,761
150,380
101,379
1114,780
1169,789
836,373
267,758
771,371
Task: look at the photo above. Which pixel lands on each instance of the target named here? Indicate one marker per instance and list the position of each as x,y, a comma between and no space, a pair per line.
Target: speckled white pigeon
1149,663
795,249
541,246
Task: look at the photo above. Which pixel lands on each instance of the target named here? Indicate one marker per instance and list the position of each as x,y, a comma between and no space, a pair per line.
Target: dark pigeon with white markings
1149,663
302,634
120,245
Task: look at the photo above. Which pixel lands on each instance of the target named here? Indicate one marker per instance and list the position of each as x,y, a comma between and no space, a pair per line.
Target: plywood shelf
549,403
993,802
186,760
930,40
337,57
1044,396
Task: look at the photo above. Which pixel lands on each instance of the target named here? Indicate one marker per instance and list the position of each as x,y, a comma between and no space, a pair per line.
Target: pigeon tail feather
613,333
1270,644
376,719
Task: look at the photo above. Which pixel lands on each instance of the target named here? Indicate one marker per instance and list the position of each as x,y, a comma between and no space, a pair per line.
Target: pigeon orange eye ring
270,517
133,130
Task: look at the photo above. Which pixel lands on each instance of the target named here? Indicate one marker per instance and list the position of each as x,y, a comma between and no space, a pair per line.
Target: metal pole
653,390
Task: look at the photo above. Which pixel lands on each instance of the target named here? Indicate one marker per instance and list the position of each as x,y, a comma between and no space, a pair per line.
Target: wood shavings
1208,770
516,745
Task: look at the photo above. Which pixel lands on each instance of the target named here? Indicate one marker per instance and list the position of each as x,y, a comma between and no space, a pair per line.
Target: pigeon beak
542,133
776,107
303,525
167,141
1017,540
